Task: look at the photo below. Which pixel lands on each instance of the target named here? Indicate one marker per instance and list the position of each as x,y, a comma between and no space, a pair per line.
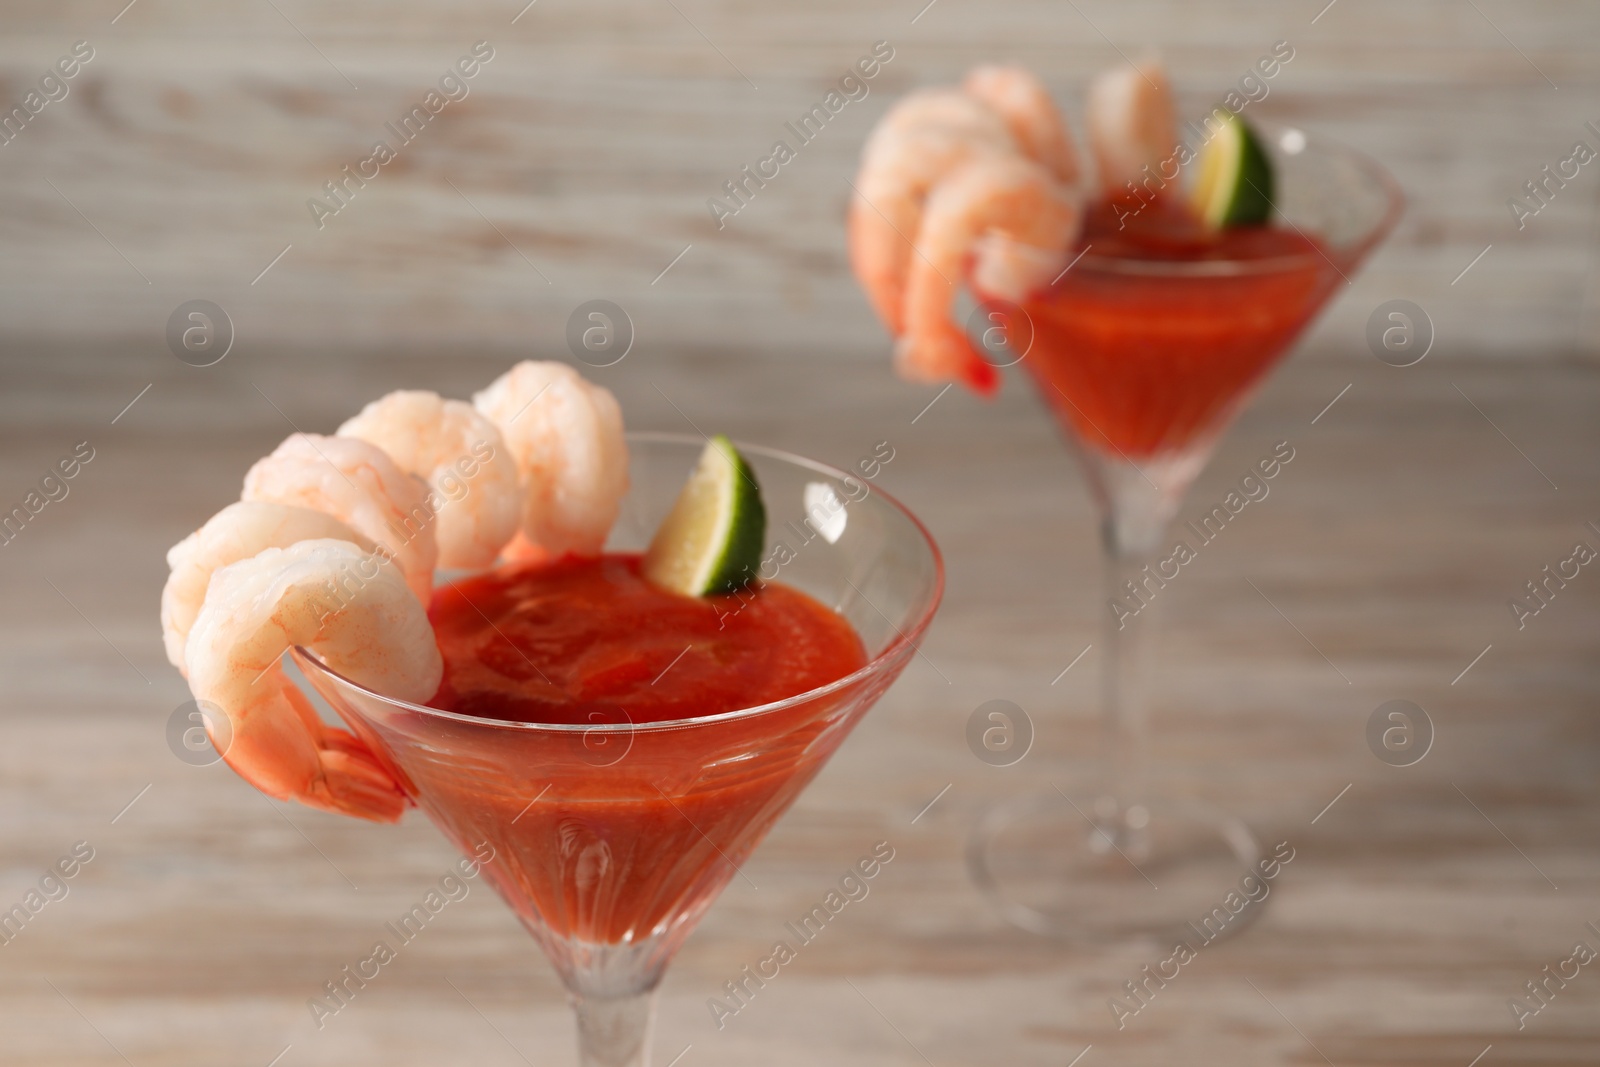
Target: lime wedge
712,539
1235,186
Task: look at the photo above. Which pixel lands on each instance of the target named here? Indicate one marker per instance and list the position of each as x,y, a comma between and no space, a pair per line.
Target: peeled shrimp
463,458
940,109
237,532
982,179
1133,128
1020,98
565,435
1010,198
924,137
354,611
358,484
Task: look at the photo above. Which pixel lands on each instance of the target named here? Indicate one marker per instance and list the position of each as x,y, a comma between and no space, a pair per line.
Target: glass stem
615,1031
1132,587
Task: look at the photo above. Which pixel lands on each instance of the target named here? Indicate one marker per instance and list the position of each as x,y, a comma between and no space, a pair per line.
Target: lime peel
711,540
1235,183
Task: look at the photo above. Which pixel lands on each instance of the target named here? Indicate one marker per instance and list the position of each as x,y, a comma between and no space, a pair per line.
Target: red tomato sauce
1141,363
605,837
576,640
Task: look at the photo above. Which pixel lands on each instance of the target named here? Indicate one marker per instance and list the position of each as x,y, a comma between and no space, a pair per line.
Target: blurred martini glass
1144,349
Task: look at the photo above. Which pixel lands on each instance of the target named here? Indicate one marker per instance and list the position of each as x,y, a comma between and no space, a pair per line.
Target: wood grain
580,165
582,161
1393,541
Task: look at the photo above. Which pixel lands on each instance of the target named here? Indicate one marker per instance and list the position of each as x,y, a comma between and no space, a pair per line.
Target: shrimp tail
354,784
347,778
942,354
350,782
980,376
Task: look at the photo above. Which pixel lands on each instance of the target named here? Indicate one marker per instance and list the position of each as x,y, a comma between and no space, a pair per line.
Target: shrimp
565,435
237,532
1132,127
950,110
997,162
356,613
1021,99
923,138
1008,197
463,458
358,484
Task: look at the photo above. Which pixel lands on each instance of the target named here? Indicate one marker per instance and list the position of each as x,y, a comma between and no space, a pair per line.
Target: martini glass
1144,362
612,839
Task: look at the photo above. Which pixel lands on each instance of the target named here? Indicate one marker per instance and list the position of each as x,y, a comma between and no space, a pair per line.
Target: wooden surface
209,916
180,164
1419,902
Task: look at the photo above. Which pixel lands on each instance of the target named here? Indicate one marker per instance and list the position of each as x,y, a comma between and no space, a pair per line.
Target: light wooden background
1393,541
589,145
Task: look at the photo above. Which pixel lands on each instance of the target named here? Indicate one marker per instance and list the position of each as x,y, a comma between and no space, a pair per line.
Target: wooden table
1421,899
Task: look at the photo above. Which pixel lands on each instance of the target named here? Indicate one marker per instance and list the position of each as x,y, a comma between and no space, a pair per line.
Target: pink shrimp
361,486
1018,96
1133,128
999,138
1027,218
565,435
355,611
237,532
923,138
476,494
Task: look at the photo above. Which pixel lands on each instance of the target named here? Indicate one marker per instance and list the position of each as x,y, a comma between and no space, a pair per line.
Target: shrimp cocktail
573,648
1146,297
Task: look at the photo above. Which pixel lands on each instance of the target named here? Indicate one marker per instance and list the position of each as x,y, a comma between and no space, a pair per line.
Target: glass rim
904,638
1213,268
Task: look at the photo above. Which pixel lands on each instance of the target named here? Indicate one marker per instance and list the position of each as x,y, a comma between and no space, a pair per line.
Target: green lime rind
1236,183
711,541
